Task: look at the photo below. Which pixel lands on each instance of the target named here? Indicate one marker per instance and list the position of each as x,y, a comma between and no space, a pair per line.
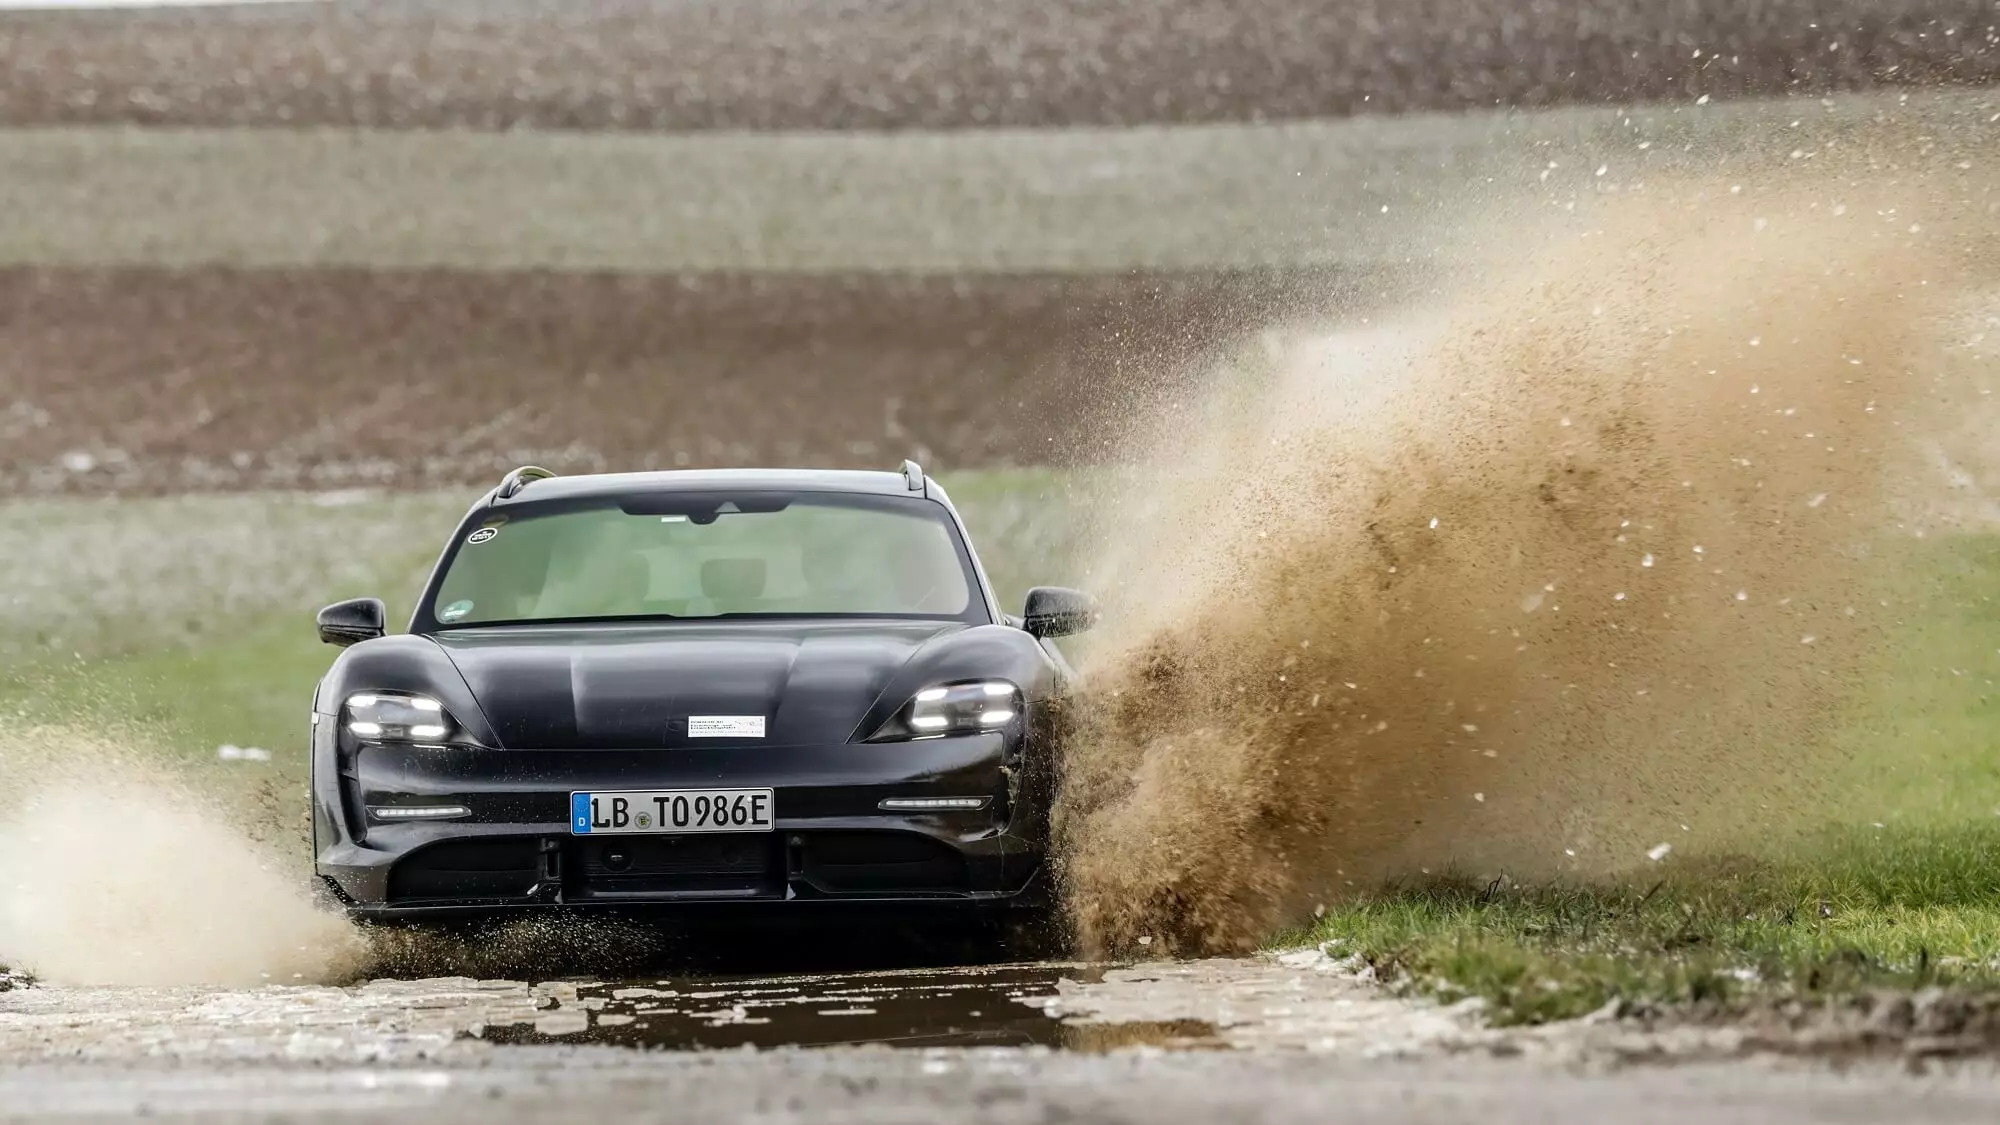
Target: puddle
998,1006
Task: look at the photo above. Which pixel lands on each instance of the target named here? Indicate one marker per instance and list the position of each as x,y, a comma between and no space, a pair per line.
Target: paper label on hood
725,726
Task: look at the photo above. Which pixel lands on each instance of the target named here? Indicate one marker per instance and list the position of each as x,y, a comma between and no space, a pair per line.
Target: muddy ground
151,379
871,64
159,381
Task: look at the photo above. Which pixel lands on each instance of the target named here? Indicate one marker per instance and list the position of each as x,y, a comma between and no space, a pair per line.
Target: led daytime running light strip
932,804
419,812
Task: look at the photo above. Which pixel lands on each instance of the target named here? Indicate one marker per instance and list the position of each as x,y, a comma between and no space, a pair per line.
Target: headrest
732,580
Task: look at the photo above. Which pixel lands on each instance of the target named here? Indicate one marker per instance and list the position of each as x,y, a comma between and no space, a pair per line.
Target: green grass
1869,909
1889,879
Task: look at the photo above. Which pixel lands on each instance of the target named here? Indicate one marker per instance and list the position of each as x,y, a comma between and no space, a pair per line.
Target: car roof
695,480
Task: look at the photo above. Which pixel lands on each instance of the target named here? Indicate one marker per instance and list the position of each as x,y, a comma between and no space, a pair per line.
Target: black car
692,687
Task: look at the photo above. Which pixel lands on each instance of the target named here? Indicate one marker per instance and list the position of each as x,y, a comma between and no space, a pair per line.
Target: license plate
670,810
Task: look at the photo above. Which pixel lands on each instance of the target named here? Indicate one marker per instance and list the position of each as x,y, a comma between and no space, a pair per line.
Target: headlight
961,708
395,716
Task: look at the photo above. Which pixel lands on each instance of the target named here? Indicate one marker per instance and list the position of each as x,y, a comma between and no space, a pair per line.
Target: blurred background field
686,65
326,309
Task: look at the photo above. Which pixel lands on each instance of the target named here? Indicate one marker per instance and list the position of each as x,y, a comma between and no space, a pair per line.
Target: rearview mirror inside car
1054,611
353,621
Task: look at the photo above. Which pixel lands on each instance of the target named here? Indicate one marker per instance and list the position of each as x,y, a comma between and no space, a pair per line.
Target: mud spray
1590,550
125,870
122,871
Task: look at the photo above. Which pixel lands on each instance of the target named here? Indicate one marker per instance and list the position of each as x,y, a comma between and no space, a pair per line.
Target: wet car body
759,761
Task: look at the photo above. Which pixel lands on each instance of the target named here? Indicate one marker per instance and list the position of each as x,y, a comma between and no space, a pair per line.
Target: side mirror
1054,611
349,622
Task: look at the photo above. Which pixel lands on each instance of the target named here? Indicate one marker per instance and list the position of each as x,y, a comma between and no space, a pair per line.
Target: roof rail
913,476
514,482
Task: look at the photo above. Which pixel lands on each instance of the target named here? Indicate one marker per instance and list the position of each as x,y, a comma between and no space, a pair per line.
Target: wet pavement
1043,1005
995,1006
1302,1001
1274,1037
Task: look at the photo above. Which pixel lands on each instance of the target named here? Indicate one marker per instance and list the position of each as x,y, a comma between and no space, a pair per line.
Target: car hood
635,686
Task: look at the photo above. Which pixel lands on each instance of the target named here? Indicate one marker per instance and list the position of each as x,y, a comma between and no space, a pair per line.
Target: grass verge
1871,909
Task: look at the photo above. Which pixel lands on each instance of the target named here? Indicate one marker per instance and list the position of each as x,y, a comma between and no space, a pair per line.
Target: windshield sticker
482,535
725,726
454,611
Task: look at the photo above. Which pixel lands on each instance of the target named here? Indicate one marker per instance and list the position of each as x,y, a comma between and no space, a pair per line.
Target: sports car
692,687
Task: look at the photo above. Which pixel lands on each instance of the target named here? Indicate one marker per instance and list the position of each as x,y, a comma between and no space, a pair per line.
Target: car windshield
709,555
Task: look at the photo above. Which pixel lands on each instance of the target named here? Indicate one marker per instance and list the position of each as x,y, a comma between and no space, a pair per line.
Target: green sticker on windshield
454,611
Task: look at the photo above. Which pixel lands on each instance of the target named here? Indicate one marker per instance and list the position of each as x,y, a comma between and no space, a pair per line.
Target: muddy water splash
128,871
123,872
1532,579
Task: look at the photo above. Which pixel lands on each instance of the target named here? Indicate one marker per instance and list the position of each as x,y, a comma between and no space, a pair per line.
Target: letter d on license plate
670,811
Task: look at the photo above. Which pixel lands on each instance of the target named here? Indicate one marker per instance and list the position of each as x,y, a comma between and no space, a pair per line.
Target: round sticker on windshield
482,535
454,611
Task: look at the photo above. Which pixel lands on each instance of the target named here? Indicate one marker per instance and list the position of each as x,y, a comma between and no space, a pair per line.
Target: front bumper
831,842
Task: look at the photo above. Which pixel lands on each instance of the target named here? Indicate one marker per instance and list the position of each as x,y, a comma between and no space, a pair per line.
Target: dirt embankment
876,64
147,381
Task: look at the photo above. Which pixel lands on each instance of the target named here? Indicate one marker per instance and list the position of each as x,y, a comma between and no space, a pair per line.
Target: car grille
467,869
735,865
881,862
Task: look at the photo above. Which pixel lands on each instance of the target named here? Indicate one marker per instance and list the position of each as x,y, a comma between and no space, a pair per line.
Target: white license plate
670,810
